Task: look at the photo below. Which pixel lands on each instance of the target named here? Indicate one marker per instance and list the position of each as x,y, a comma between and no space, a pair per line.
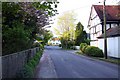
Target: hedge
94,51
83,46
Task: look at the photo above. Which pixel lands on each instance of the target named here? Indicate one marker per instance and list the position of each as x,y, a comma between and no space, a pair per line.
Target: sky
80,7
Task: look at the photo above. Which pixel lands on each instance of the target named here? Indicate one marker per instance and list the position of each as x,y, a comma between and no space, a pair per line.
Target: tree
47,35
22,21
80,34
66,25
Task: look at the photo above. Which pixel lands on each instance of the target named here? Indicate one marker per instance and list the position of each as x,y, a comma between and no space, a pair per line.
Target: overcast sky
80,7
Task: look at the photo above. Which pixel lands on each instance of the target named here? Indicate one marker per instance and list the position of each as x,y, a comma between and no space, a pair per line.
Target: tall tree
66,26
21,21
80,34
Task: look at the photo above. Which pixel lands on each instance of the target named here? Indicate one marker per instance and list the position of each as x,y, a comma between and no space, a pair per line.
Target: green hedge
93,51
83,46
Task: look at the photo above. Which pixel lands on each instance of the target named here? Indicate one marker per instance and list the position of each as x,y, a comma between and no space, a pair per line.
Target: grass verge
111,60
29,68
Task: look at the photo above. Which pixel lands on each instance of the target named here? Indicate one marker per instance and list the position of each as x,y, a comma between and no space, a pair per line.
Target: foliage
87,41
21,22
36,44
41,46
29,68
93,51
80,34
48,7
83,46
15,39
63,42
66,44
66,23
70,44
66,27
47,35
26,72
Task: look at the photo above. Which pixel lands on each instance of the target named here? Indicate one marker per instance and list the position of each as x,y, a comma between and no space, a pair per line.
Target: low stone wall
12,63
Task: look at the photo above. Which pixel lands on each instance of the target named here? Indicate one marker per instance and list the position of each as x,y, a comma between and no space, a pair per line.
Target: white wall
94,43
101,44
119,47
112,46
95,27
56,42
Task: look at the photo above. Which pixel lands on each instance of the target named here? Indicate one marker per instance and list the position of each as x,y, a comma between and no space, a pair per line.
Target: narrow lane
69,65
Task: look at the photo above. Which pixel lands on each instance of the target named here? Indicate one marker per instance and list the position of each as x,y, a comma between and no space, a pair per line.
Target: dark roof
112,12
112,32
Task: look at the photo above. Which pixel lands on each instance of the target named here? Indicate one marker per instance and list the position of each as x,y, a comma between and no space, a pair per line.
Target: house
54,41
96,28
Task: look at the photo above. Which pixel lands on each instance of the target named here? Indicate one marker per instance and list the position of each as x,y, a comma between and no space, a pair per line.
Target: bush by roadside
94,51
91,50
83,46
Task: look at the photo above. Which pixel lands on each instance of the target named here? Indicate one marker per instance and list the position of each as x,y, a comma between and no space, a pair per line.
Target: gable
94,18
112,12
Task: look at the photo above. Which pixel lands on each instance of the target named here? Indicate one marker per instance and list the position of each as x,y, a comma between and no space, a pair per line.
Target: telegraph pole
105,39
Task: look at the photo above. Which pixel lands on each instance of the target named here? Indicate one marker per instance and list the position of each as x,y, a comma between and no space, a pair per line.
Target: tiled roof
112,32
112,12
55,39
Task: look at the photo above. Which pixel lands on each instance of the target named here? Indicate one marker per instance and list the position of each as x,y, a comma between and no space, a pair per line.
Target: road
69,65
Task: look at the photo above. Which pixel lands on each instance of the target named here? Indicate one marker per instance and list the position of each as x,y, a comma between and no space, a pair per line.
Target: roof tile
112,12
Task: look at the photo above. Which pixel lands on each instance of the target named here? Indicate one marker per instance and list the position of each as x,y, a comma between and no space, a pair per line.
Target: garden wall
113,49
11,64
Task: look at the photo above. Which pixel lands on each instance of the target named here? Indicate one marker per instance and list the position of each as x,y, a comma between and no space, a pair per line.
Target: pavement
45,68
58,63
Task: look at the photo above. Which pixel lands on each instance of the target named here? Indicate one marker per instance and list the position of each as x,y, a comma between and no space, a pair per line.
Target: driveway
66,64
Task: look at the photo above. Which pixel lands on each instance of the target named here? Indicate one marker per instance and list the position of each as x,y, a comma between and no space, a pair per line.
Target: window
113,25
107,26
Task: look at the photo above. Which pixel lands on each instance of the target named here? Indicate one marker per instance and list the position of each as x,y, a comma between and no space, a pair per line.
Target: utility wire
81,7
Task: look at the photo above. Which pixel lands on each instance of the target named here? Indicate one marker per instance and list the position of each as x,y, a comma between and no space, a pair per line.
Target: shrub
83,49
33,63
87,41
70,44
26,72
41,46
36,44
83,46
93,51
29,71
36,58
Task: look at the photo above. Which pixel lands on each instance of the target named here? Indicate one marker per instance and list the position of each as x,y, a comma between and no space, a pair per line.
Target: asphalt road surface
69,65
